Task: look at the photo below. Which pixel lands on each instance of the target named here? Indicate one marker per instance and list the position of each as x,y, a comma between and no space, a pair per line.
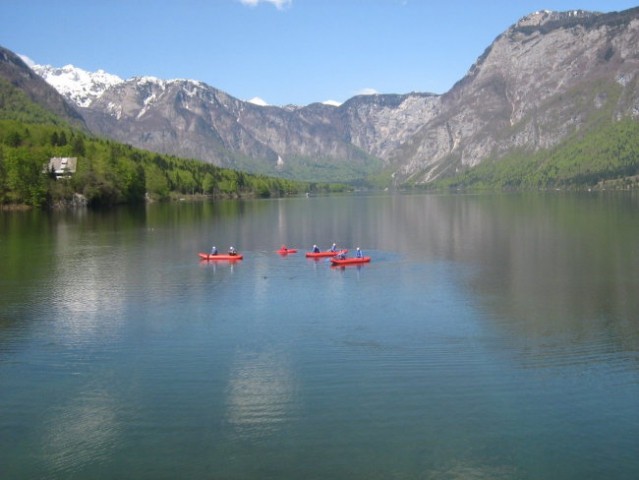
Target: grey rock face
546,77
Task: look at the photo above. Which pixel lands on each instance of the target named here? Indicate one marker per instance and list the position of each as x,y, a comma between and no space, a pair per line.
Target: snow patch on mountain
258,101
75,84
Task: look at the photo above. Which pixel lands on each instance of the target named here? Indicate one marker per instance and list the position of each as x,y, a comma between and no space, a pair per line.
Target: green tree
78,148
208,183
14,139
156,181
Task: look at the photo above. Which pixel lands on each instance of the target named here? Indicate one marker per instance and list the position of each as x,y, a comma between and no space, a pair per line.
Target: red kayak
350,261
286,251
325,254
219,256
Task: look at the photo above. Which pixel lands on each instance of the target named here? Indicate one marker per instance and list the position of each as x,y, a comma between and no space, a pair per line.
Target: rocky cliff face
547,77
380,124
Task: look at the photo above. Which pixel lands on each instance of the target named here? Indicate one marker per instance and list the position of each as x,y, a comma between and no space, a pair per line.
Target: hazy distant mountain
192,119
545,78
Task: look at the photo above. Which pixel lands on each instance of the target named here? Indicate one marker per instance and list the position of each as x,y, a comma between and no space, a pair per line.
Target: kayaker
284,248
341,256
358,253
232,251
334,248
213,250
316,249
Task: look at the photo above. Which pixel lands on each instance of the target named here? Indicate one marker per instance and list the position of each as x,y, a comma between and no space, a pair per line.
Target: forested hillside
607,156
108,172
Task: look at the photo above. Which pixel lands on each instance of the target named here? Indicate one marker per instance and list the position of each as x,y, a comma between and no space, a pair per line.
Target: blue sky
283,51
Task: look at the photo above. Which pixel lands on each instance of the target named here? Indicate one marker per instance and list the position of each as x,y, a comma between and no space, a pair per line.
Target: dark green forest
108,172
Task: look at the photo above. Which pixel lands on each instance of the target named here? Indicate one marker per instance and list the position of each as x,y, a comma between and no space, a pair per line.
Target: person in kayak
232,251
316,249
334,248
341,256
213,250
358,253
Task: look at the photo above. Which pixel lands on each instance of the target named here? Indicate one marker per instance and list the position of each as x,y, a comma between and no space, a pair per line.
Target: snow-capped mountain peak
75,84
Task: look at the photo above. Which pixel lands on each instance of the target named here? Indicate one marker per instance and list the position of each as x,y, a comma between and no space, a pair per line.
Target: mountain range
548,77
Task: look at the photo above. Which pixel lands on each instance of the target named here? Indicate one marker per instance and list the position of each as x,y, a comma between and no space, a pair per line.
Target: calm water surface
491,337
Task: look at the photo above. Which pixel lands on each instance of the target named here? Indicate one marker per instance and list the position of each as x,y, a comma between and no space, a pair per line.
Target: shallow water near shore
491,336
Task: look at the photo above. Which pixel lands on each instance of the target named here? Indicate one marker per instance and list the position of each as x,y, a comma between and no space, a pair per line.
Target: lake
490,337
